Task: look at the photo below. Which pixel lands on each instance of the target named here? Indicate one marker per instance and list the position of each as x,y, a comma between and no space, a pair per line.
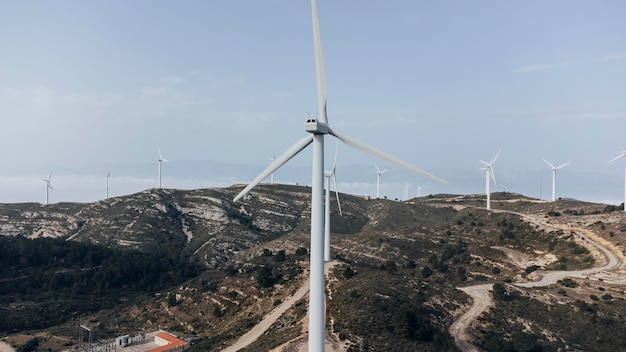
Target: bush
265,277
531,268
281,256
567,282
607,297
29,346
426,272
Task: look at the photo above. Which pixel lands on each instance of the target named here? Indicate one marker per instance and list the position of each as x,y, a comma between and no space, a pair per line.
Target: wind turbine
272,175
407,186
554,168
328,175
489,174
161,160
419,188
378,173
318,128
48,188
622,154
108,176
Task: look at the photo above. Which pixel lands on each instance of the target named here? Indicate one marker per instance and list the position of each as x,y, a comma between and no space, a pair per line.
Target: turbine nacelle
316,127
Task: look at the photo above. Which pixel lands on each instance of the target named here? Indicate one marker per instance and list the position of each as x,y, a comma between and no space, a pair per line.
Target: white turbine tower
622,154
108,176
407,187
272,175
378,173
554,168
328,175
318,128
48,187
489,174
419,189
161,160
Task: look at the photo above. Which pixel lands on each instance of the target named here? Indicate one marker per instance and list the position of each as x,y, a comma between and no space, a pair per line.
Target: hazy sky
440,84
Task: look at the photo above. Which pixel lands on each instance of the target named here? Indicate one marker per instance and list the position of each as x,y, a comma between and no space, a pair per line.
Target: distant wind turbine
318,128
554,168
489,174
161,160
407,187
378,173
622,154
48,188
419,188
272,175
108,176
328,175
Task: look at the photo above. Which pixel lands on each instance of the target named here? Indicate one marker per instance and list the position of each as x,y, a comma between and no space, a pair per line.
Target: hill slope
394,289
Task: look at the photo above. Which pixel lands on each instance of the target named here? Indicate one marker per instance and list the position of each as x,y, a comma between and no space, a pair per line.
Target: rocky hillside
202,224
394,286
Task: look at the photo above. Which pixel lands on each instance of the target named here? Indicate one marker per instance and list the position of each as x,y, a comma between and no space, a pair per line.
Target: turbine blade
335,161
319,66
160,156
547,162
280,161
495,157
377,169
567,163
382,172
382,155
484,162
493,176
617,157
337,195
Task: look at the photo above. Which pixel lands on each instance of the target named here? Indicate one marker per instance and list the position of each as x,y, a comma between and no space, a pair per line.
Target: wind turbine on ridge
407,187
328,175
272,175
378,173
48,188
161,160
554,168
317,129
621,155
108,176
489,174
419,188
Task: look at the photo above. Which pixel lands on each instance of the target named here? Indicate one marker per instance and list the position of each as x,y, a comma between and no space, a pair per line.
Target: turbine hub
315,126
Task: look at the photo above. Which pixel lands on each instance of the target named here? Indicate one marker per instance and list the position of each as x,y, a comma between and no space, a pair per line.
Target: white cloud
615,57
532,68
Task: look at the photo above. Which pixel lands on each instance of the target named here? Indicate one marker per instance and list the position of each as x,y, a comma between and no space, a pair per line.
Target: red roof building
168,343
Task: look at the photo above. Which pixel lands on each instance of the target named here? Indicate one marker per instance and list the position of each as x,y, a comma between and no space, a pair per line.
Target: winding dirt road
482,300
482,297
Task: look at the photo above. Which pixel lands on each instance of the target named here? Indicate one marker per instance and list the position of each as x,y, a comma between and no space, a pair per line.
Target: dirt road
482,297
482,300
